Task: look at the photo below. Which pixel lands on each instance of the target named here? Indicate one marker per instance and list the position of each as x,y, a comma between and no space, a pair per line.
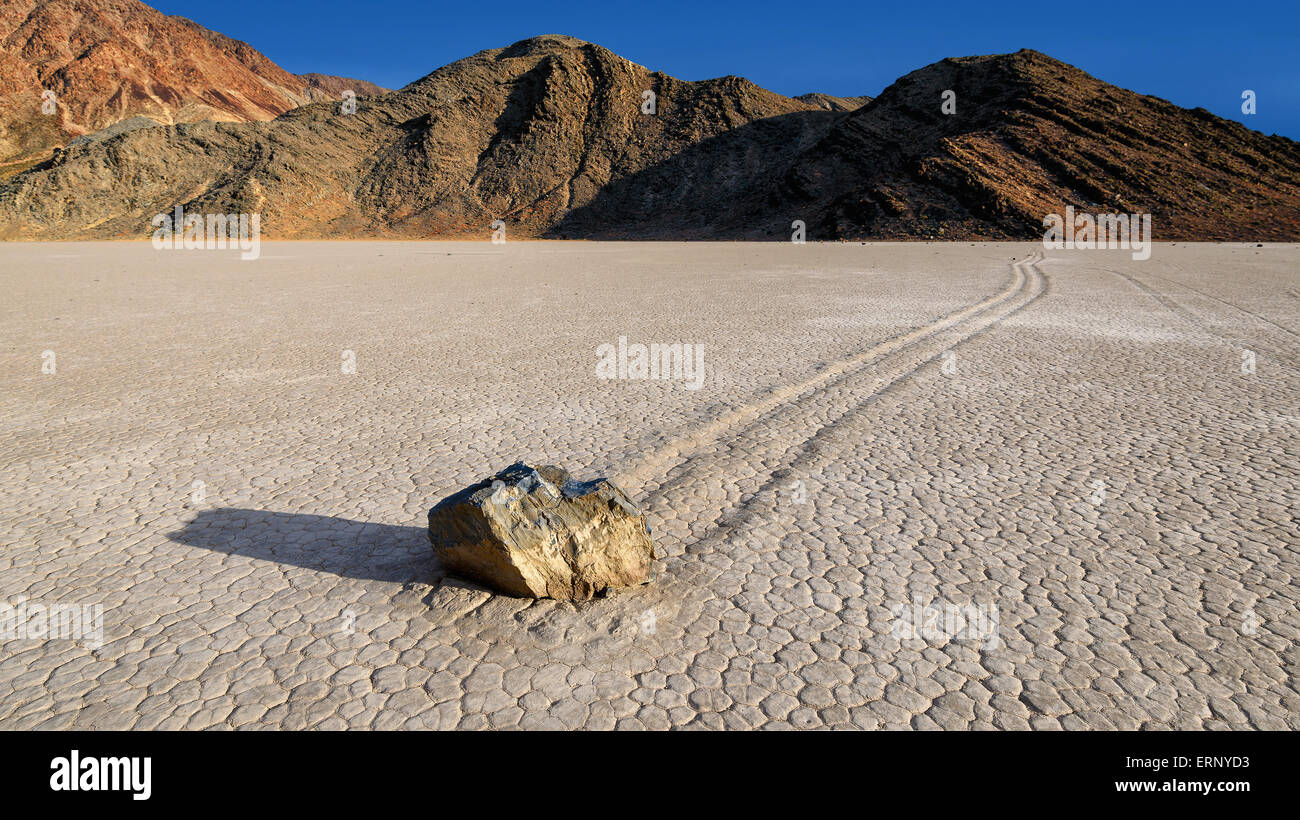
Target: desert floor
1101,453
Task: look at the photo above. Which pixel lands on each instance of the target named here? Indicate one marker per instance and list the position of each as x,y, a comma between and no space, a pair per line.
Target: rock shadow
351,549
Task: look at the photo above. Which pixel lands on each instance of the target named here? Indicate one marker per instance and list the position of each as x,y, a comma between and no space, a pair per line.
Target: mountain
107,61
827,102
1031,135
317,87
549,135
523,134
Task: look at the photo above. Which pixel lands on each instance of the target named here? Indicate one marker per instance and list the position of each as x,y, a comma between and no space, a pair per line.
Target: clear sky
1193,53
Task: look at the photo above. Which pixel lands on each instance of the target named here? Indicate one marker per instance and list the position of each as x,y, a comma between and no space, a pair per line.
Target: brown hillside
110,60
548,135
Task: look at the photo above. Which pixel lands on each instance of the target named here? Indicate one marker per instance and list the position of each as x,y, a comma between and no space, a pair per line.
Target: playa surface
1097,456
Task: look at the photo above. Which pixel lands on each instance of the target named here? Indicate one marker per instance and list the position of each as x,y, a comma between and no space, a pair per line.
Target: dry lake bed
914,485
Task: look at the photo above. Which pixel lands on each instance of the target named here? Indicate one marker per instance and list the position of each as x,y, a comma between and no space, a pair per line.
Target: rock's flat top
176,367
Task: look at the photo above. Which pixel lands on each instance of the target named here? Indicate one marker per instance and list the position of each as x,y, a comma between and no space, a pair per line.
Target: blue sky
1192,53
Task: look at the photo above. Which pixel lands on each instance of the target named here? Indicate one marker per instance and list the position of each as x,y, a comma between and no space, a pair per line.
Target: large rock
533,532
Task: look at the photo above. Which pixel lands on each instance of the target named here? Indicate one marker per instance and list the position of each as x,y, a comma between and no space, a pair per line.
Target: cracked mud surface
1073,440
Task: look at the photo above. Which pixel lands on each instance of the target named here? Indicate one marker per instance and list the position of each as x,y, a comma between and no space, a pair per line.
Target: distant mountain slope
523,134
549,135
110,60
1030,136
828,102
317,87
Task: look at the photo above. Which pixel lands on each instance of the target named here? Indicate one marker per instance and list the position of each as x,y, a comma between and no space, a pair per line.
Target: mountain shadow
717,188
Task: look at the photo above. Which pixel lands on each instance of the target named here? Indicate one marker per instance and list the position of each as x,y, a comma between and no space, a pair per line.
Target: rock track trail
882,361
1223,328
761,445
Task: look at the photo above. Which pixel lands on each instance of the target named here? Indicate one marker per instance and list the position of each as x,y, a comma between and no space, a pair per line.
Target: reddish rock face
109,60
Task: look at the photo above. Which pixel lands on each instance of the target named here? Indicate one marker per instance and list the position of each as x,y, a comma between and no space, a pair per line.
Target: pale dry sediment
882,423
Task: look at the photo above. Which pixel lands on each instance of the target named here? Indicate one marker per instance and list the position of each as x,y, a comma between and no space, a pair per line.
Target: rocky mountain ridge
556,138
97,63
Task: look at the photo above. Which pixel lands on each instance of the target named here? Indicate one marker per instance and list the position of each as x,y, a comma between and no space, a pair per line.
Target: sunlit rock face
533,532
